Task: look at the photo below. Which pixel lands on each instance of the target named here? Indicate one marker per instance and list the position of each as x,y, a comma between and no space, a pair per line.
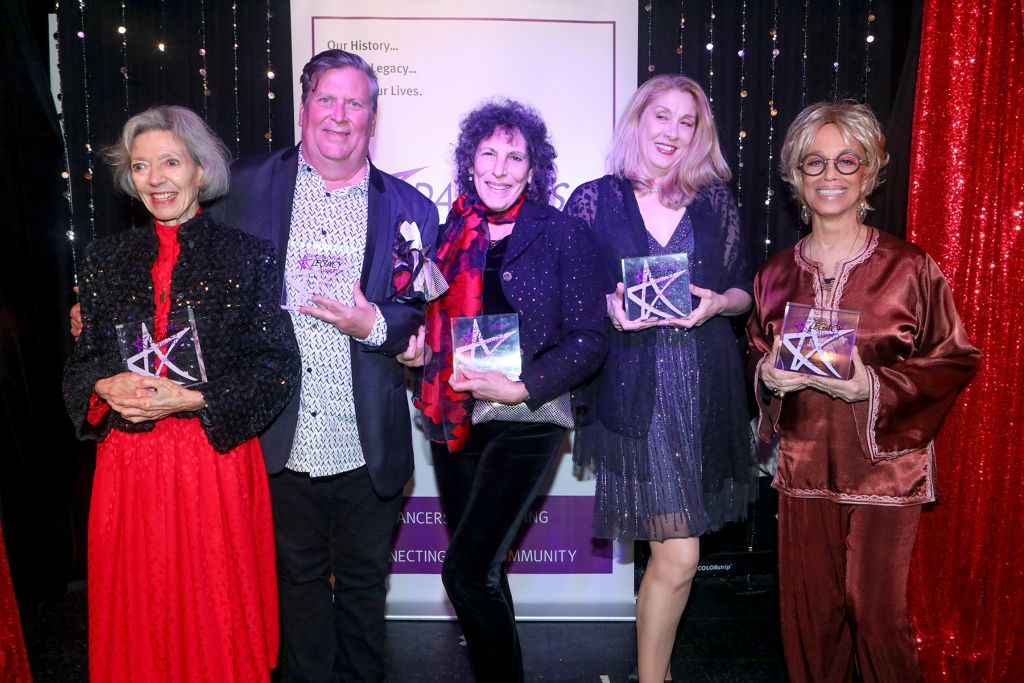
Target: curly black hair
507,115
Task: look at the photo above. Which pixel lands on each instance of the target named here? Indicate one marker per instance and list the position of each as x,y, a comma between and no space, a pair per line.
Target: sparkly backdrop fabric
966,208
13,663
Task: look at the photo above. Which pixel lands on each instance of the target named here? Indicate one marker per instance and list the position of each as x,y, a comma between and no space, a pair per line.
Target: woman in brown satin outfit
856,456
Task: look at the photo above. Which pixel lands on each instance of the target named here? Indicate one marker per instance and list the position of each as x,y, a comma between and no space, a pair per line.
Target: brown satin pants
843,591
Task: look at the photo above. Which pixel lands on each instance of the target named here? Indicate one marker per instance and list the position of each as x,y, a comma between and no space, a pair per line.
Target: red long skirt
13,662
182,584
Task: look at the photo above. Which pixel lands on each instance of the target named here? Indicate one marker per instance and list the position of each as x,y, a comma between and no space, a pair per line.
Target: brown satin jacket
879,451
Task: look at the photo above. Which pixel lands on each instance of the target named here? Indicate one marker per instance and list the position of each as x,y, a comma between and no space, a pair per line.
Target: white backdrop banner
575,62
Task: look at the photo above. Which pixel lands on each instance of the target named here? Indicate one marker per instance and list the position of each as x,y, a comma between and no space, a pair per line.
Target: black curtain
42,487
890,200
170,76
833,28
45,475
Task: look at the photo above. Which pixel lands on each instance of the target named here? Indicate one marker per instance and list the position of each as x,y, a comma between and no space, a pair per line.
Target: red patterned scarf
461,257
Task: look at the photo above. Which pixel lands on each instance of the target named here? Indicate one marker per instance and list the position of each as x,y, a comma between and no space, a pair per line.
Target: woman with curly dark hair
503,250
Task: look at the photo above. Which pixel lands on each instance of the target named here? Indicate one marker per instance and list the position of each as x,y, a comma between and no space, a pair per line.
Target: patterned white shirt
328,223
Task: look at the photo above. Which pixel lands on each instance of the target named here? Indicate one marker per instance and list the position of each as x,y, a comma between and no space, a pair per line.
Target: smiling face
337,122
501,169
832,194
166,178
666,128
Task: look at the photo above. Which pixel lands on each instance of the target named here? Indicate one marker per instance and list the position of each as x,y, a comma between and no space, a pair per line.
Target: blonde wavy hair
856,123
701,163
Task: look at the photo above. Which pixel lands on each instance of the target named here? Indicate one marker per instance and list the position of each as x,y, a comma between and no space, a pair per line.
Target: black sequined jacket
230,281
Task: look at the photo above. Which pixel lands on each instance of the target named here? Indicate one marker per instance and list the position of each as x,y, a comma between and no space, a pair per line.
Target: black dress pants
486,491
328,526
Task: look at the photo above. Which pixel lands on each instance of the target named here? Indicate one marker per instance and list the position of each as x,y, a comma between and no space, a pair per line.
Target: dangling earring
805,214
862,209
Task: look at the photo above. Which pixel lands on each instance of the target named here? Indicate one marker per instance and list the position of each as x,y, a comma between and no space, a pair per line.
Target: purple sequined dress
670,502
691,470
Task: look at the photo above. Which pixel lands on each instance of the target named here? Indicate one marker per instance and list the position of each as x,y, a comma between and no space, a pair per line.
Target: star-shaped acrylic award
818,341
315,274
487,342
657,287
177,356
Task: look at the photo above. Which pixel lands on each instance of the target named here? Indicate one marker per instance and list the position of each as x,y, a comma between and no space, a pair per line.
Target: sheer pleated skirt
652,489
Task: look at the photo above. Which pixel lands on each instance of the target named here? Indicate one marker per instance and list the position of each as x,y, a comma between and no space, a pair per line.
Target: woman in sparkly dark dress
503,250
670,439
182,584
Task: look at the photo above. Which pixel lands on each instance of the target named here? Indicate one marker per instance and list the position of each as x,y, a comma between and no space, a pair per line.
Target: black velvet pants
486,491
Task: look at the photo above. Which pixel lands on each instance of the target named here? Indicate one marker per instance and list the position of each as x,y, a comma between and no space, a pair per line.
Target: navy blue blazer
549,277
260,203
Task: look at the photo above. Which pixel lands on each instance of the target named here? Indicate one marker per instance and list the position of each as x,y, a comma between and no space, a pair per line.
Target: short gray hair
337,59
206,149
856,123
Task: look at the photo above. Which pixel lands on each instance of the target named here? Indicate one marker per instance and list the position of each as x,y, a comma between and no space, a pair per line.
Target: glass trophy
316,274
818,341
656,287
487,342
177,356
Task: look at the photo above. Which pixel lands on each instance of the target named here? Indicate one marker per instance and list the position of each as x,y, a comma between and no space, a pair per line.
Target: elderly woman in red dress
856,456
182,584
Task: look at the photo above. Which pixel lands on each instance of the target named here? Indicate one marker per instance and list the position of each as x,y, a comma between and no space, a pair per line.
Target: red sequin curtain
967,209
13,664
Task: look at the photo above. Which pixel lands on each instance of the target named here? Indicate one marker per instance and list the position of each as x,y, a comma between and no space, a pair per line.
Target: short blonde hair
203,145
856,123
701,163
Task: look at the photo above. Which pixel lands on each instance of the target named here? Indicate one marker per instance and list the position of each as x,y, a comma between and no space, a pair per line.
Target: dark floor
730,634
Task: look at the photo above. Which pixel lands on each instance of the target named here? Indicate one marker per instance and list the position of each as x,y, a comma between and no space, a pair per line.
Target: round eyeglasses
814,164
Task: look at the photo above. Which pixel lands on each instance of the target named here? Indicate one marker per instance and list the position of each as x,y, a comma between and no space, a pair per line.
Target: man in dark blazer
341,452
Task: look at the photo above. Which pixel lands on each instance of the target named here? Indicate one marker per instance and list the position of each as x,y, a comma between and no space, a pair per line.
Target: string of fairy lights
234,67
202,54
741,136
649,8
773,112
839,38
868,40
79,166
741,113
123,32
682,26
269,135
803,54
78,169
65,172
710,47
87,122
161,47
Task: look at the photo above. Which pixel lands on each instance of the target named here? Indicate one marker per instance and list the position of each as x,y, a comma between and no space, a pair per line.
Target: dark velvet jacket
228,278
547,276
260,203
